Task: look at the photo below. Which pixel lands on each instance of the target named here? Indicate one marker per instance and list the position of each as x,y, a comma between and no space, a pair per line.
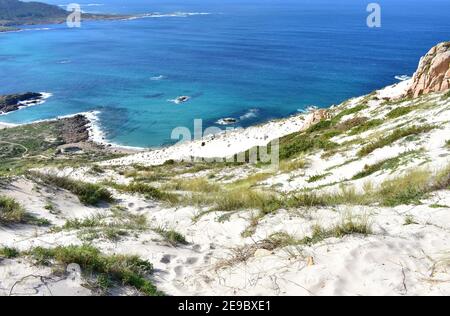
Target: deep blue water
276,56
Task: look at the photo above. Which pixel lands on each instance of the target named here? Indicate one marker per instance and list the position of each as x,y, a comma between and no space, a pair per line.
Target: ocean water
249,59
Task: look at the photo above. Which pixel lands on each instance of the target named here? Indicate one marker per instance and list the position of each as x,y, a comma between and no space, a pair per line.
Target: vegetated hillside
18,12
14,12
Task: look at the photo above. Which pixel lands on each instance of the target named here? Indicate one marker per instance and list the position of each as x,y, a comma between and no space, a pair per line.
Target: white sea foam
167,15
402,77
252,113
97,135
37,29
158,78
308,109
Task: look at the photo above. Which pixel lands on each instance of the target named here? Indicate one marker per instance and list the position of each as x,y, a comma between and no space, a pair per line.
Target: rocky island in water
14,102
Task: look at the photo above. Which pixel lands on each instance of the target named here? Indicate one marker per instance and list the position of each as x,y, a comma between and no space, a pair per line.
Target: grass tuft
317,177
396,135
401,111
193,185
171,236
366,126
127,270
11,212
9,253
88,193
148,191
407,189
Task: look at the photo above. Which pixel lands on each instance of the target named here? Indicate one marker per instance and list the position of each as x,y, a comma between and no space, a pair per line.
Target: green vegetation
387,164
14,12
9,253
171,236
318,136
298,143
88,193
192,185
446,96
245,199
349,111
113,227
400,111
144,189
317,177
364,127
11,212
36,145
292,164
349,225
8,29
409,220
250,181
126,270
396,135
407,189
96,169
439,206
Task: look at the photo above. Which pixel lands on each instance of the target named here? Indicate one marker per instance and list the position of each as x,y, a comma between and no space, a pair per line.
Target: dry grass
292,165
192,185
250,181
350,224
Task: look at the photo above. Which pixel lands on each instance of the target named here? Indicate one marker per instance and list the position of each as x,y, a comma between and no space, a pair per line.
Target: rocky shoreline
13,102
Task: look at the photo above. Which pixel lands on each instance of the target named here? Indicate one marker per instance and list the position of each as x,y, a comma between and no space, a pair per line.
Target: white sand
6,125
224,145
395,260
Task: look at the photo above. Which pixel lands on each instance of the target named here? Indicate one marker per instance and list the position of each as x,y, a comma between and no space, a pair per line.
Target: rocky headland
433,74
13,102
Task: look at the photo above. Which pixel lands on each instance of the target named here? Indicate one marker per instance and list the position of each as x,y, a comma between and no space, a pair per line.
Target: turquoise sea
249,59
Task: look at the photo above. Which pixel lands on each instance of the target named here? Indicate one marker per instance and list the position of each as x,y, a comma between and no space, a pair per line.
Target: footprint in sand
196,247
166,259
178,270
191,260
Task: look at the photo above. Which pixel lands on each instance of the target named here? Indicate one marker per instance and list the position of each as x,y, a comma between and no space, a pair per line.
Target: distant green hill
17,12
14,12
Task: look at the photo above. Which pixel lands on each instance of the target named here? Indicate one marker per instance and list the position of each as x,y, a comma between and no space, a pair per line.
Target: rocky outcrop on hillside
74,129
433,74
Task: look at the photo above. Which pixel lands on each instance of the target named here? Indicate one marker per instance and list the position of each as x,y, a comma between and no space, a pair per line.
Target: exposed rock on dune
433,74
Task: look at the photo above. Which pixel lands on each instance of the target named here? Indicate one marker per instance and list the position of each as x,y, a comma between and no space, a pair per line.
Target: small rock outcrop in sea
182,99
227,121
433,74
12,102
